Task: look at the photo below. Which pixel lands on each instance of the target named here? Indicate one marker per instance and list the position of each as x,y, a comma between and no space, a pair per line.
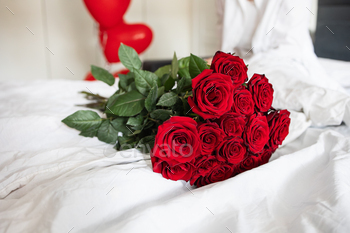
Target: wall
57,39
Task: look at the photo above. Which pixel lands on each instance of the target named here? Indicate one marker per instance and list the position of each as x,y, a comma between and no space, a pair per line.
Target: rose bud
212,94
233,124
231,150
248,163
177,141
210,170
233,66
257,133
262,92
279,122
181,171
265,156
211,135
242,101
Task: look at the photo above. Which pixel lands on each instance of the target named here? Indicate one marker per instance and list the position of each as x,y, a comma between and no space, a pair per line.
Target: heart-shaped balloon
137,36
108,13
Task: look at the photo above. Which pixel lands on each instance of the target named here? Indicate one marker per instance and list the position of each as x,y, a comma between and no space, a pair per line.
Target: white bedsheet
53,180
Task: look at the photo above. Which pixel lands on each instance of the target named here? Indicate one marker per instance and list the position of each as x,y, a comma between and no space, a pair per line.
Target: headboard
332,37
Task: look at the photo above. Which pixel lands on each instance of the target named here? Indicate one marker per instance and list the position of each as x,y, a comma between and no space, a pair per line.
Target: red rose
265,156
182,171
210,170
211,136
233,124
262,92
257,133
279,122
231,150
212,94
242,101
248,163
233,66
177,141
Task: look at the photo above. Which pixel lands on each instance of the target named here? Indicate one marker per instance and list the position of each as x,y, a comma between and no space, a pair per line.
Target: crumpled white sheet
53,180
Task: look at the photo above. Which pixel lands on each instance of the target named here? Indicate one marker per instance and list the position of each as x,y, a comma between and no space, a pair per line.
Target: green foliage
174,67
168,99
129,58
143,102
125,80
161,114
151,99
107,133
184,84
196,66
83,120
163,70
144,81
127,104
102,75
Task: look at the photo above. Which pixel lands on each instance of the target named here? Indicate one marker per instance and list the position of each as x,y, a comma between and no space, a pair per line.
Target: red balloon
108,13
89,77
123,71
137,36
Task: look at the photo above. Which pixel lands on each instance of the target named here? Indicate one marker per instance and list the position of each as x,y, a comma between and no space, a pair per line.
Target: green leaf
164,78
125,80
163,70
129,57
183,84
131,87
174,67
184,73
144,81
139,127
149,125
111,101
168,99
161,114
160,92
186,107
184,62
127,104
126,142
91,132
169,84
150,102
107,133
135,121
146,143
178,107
197,65
119,124
102,75
83,120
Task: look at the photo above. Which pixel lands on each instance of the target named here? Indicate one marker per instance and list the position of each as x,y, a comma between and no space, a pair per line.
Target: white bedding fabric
53,180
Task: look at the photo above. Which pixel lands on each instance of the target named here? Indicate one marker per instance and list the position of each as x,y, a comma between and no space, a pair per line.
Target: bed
53,180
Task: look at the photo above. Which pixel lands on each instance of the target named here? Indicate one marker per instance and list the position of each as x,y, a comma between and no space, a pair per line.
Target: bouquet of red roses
201,123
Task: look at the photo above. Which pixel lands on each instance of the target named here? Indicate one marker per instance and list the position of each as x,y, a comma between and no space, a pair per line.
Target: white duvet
53,180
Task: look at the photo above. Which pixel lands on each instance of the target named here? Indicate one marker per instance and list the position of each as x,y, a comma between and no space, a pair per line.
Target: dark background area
333,42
